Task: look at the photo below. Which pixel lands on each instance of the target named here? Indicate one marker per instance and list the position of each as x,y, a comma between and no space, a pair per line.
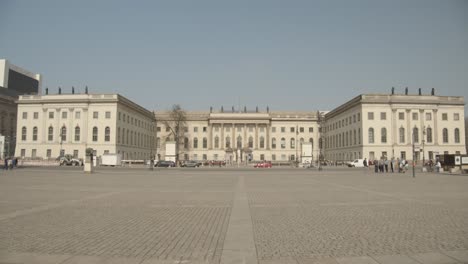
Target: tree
176,121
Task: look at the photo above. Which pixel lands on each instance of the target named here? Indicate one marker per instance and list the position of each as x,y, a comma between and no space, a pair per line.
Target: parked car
214,163
69,160
358,163
191,163
306,165
263,164
165,164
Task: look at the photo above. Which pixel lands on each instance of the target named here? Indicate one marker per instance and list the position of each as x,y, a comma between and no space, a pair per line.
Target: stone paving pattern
339,215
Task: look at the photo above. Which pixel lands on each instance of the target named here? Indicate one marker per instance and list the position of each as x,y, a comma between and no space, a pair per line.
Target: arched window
50,135
250,142
371,135
402,135
283,143
416,135
383,135
292,143
195,143
262,142
429,135
228,142
63,133
239,142
95,134
216,142
445,135
34,133
77,133
24,132
107,134
186,143
205,143
273,143
457,135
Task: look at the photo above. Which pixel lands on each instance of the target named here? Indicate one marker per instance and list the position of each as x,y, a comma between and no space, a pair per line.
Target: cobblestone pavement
122,215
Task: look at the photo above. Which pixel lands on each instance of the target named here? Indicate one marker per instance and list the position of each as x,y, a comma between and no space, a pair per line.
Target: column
256,136
222,137
210,136
70,128
233,138
394,131
246,140
409,138
435,129
45,129
268,127
57,125
85,127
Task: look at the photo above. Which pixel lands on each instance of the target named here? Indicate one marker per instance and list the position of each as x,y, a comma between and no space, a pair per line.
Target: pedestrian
438,166
386,164
10,163
376,166
5,163
365,162
381,164
392,164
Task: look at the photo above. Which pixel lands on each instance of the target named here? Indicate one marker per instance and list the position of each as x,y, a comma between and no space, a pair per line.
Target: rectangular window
36,115
75,153
51,115
25,115
195,157
158,129
95,115
370,116
283,129
119,116
428,116
292,130
359,117
34,153
273,157
195,129
204,129
456,116
23,153
205,157
371,155
301,129
64,115
283,156
273,129
401,116
444,116
49,153
403,155
415,116
108,115
311,129
106,151
383,116
168,129
77,115
354,118
262,156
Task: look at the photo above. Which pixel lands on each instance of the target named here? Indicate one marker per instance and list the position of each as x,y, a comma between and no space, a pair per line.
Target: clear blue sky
290,55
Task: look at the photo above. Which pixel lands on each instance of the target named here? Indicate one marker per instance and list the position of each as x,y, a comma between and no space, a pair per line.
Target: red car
263,164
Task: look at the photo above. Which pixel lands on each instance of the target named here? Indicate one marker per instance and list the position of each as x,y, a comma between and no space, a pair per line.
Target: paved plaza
221,215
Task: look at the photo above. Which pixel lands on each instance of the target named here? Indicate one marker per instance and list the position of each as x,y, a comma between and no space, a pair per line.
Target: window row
133,138
239,129
415,134
63,134
133,121
344,139
344,122
427,116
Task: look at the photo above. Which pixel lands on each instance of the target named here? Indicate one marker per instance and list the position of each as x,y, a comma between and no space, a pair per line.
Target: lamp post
152,142
423,141
414,162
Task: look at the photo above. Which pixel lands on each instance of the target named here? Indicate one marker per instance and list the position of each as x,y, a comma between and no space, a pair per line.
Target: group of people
384,165
10,163
398,165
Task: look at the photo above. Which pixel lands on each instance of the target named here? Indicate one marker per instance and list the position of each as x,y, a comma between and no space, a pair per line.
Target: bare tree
177,122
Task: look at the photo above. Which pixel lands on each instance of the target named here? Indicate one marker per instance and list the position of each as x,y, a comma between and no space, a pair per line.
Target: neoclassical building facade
238,136
378,125
52,125
368,126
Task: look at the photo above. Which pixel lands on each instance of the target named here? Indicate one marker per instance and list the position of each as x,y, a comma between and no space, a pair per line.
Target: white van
358,163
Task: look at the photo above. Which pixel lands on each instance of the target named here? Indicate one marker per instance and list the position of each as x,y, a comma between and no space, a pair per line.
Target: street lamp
414,162
423,141
152,142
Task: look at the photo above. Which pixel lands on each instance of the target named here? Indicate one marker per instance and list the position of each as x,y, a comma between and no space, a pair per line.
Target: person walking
392,164
365,162
376,166
386,164
381,165
5,163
